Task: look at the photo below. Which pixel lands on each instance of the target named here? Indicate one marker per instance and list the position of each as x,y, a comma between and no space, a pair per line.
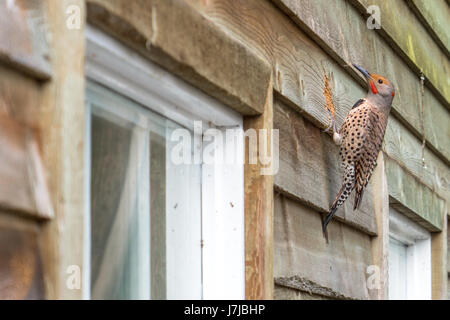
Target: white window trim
121,69
418,254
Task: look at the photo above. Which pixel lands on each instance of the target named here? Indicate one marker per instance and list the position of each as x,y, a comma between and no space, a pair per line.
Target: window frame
418,254
113,65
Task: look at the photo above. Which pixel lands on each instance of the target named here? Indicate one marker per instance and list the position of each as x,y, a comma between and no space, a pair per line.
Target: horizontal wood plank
301,251
24,37
23,185
434,16
403,147
413,199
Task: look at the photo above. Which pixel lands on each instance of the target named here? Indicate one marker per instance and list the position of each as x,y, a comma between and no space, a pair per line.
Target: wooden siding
271,60
310,47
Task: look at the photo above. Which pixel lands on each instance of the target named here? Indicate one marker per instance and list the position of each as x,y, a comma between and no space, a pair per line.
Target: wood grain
258,210
413,199
61,121
380,244
439,273
434,17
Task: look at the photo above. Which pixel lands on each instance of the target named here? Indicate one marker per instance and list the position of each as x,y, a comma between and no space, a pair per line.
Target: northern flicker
360,139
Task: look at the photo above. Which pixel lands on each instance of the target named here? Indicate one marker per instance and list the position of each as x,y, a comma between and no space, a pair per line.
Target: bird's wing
362,135
371,146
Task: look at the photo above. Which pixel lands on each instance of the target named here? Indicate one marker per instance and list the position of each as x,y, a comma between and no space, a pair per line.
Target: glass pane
145,210
119,215
397,270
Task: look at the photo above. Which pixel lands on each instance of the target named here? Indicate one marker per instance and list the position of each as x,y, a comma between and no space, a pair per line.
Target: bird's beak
364,72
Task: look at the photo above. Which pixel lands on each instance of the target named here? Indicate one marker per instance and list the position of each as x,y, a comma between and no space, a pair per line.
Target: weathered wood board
436,125
439,257
434,15
403,147
415,200
301,252
310,169
413,41
259,212
24,36
21,273
23,185
380,243
61,122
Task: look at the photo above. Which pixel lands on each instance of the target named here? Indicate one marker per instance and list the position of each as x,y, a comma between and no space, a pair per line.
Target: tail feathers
328,218
340,199
358,198
347,186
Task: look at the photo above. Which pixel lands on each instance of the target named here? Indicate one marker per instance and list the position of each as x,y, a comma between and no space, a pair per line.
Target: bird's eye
380,81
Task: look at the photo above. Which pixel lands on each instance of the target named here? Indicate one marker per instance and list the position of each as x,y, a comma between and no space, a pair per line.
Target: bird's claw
328,128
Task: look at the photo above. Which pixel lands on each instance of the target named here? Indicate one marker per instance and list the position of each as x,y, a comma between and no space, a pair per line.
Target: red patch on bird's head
374,88
393,93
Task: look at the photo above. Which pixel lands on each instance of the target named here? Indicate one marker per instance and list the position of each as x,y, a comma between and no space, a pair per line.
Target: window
159,228
409,259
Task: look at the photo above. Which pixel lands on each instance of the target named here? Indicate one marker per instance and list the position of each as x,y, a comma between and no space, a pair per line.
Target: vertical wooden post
62,128
439,277
380,243
259,213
